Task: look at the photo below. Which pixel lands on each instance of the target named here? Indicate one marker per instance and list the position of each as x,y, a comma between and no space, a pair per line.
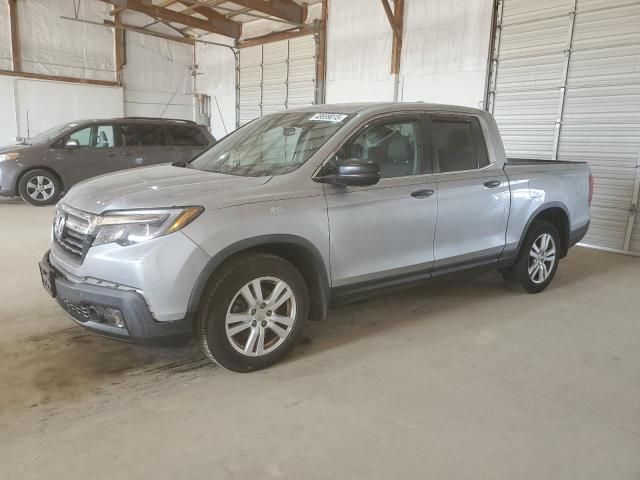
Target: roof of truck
173,121
382,107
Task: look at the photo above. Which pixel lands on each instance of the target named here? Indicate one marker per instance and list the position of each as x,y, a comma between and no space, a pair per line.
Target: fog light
113,317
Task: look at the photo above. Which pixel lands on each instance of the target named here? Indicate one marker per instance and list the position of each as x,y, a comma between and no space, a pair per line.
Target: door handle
492,183
118,154
422,193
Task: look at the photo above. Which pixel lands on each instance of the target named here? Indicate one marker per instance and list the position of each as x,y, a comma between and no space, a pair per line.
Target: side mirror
72,143
354,173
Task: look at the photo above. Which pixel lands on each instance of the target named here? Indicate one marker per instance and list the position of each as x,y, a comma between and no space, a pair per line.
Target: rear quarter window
138,134
184,136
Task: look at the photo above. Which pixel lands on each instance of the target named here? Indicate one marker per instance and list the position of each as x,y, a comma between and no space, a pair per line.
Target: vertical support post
494,53
15,41
286,82
633,210
563,85
321,49
261,79
396,20
236,54
118,33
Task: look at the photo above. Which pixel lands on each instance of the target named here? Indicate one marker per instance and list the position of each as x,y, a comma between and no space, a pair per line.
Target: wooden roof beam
221,26
284,9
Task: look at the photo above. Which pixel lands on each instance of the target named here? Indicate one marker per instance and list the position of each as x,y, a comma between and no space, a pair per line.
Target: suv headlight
8,156
127,227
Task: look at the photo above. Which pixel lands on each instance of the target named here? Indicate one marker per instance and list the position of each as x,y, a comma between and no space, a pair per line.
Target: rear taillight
590,188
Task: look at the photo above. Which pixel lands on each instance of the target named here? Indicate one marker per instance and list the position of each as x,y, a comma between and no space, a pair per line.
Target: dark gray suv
40,169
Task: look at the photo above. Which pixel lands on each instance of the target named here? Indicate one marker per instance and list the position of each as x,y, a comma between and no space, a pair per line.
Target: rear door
147,143
385,231
473,193
187,141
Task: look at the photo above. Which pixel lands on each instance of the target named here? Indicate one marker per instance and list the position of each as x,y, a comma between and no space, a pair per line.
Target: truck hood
161,186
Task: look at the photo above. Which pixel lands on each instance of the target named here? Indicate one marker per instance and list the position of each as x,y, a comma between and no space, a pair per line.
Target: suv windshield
271,145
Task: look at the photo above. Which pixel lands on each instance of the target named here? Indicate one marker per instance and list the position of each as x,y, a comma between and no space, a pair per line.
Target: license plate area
48,277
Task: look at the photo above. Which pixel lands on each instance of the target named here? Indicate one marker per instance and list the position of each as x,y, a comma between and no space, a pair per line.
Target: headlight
127,227
8,156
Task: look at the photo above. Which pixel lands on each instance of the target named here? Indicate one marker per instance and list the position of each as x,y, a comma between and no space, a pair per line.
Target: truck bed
533,161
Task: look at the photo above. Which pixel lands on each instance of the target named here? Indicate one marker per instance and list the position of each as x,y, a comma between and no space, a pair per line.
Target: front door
384,232
99,151
473,194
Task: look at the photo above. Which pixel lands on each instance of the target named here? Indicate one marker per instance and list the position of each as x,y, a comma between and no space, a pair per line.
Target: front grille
77,310
73,242
73,239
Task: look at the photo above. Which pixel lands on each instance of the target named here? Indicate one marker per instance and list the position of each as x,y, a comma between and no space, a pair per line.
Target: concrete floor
457,379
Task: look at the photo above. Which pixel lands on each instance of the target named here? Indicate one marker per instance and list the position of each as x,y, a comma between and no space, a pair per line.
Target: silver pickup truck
298,210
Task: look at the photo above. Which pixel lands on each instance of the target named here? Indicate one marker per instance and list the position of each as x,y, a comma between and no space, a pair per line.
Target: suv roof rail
162,118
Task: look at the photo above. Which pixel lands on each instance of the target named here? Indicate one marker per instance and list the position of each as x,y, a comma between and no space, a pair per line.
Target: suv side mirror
354,173
72,143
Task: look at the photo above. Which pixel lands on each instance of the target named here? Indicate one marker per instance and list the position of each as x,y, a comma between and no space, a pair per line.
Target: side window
139,135
395,146
83,136
105,137
458,144
187,136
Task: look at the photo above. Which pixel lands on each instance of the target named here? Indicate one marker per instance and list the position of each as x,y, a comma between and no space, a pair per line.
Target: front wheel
252,312
537,261
40,187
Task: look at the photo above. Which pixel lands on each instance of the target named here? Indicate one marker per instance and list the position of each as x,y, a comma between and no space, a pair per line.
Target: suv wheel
537,261
252,312
40,187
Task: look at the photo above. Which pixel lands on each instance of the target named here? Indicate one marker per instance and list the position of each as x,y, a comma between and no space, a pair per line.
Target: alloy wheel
40,188
542,258
261,316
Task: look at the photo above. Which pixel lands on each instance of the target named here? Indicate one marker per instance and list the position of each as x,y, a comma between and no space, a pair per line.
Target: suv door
187,141
473,194
98,152
147,143
384,230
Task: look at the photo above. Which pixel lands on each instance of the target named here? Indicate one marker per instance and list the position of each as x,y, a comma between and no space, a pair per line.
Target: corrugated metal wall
277,76
565,84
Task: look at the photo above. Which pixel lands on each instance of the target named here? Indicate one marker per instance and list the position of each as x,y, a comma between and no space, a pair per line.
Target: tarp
52,46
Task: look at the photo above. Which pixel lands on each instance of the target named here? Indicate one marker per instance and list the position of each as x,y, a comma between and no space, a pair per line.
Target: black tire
27,193
517,276
210,324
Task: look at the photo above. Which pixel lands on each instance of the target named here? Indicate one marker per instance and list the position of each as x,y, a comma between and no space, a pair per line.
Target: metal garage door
276,76
565,85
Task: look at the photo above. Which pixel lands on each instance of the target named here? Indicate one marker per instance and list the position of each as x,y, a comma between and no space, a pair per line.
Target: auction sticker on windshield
328,117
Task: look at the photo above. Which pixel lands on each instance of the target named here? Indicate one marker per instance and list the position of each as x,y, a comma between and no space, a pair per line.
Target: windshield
272,145
50,134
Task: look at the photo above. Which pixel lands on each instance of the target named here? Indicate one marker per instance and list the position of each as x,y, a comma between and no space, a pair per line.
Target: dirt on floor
456,379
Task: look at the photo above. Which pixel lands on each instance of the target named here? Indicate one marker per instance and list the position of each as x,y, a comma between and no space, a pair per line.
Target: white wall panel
444,51
53,46
8,129
157,76
216,78
43,104
358,52
5,38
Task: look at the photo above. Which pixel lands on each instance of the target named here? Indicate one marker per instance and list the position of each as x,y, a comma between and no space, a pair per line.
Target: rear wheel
40,187
252,312
537,261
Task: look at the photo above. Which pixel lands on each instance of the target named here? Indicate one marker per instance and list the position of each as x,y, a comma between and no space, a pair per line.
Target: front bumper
80,300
